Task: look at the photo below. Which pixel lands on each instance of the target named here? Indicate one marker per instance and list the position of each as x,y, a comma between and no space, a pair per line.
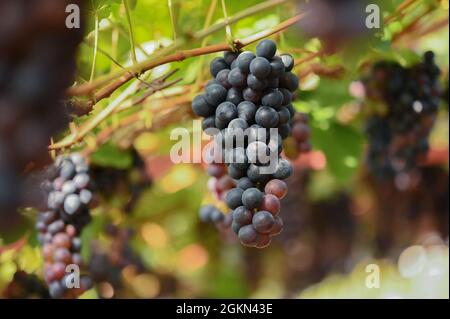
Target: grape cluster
247,108
398,137
111,181
69,197
37,64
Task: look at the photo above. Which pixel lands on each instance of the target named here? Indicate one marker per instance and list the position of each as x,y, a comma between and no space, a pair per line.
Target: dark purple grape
251,95
225,113
243,61
215,94
266,117
289,81
230,56
217,64
222,78
242,216
256,84
201,107
247,111
233,198
247,235
288,62
276,68
266,49
244,183
284,169
234,96
236,78
260,67
284,116
263,222
273,98
252,198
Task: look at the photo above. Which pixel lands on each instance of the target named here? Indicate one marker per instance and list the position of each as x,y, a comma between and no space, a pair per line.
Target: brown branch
399,12
110,109
161,121
80,108
122,77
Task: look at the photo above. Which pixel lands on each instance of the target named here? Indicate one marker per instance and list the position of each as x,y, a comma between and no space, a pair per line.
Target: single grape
262,241
271,203
251,95
234,96
284,115
284,169
260,67
247,235
247,111
230,56
256,84
276,67
252,198
276,187
263,222
289,81
273,98
266,49
215,94
266,117
222,79
242,216
288,62
236,172
243,61
277,227
244,183
217,64
236,78
201,107
225,112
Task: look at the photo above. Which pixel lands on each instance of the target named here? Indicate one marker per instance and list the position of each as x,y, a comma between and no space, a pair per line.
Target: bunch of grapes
247,108
110,181
107,266
69,197
398,137
24,285
37,64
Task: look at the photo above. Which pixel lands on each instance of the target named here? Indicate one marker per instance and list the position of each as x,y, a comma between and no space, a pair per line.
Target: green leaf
110,155
342,146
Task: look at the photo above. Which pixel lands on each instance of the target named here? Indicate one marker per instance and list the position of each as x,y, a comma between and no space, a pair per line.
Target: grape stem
92,123
122,76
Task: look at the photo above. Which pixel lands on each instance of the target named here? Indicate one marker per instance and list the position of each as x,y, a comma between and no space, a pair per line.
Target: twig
120,75
95,121
399,11
160,121
173,19
228,32
80,108
130,31
94,59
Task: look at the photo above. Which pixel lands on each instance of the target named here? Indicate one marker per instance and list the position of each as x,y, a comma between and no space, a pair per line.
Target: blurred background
145,239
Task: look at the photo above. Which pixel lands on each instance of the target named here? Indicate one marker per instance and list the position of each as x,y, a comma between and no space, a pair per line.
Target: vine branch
121,76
